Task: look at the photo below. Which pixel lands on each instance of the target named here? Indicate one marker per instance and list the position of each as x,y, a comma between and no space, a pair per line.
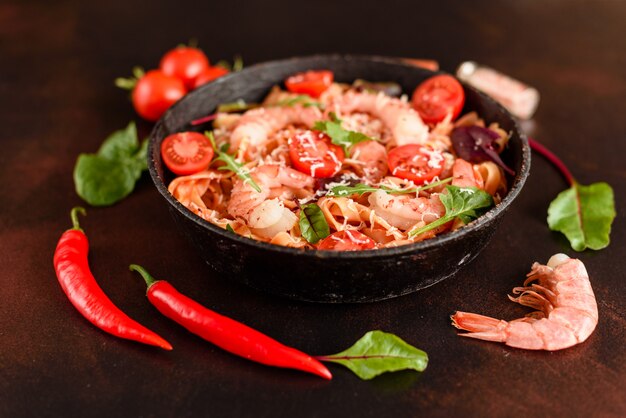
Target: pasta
297,151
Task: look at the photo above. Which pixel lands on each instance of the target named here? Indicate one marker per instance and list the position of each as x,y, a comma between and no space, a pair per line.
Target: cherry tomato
312,153
186,153
437,97
185,63
209,74
154,93
346,240
415,162
312,83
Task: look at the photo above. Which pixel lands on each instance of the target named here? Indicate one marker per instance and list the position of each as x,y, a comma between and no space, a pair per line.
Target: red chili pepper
72,268
224,332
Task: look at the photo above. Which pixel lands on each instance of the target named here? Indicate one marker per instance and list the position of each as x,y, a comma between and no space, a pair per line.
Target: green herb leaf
465,203
237,63
237,106
362,188
232,164
338,135
230,228
584,214
378,352
313,225
302,99
110,175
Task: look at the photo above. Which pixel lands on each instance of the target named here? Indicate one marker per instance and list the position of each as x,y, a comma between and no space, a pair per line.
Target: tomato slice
347,240
312,83
186,153
312,153
437,97
415,162
209,74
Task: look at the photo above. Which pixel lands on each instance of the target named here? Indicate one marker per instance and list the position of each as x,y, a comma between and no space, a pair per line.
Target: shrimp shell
566,315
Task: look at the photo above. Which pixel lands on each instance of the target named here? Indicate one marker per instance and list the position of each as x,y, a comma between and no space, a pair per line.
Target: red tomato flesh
346,240
209,74
312,83
415,162
184,63
186,153
312,153
437,97
154,93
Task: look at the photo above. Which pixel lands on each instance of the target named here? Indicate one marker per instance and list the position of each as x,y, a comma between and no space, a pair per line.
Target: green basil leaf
338,135
121,144
110,175
378,352
302,99
102,181
230,228
465,203
313,225
584,214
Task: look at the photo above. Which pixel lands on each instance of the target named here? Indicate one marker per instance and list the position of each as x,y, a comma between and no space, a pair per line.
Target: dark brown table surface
58,61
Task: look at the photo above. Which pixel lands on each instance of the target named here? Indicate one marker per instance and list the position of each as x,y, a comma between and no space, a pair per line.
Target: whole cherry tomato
185,63
437,97
154,93
209,74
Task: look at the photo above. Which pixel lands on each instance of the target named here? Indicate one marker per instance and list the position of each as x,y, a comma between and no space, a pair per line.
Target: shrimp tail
480,326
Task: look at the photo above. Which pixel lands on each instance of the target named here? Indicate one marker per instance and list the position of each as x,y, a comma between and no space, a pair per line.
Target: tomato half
186,153
437,97
346,240
154,93
312,83
185,63
209,74
312,153
415,162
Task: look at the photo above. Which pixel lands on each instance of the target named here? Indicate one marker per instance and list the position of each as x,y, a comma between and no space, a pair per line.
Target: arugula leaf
232,164
313,225
465,203
110,175
584,214
236,106
302,99
362,188
338,135
378,352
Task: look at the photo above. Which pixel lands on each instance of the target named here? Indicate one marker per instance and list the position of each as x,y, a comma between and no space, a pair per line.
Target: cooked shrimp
463,175
369,160
566,314
402,120
404,211
251,135
266,217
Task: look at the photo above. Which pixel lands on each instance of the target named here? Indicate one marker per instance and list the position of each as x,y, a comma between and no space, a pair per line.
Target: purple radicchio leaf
475,144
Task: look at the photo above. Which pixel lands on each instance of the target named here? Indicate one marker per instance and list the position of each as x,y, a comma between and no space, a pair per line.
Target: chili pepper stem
144,273
552,158
74,216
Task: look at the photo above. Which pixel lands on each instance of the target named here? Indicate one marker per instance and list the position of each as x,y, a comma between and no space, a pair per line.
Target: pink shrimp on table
402,120
265,212
252,133
566,313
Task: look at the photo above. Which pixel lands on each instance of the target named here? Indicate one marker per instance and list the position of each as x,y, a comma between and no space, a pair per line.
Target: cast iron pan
329,276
